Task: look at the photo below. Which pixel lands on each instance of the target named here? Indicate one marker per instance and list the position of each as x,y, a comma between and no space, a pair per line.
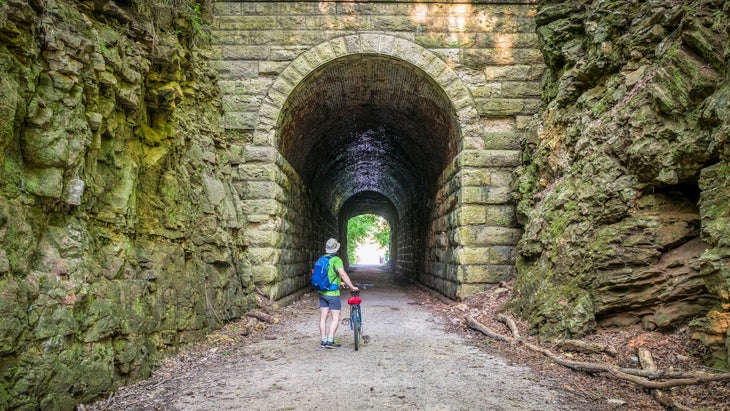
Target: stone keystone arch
365,43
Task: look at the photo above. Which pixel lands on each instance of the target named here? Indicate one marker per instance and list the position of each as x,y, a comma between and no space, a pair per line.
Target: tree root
263,316
647,378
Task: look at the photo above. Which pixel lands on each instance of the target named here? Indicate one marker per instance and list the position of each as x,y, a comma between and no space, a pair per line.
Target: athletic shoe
334,344
325,344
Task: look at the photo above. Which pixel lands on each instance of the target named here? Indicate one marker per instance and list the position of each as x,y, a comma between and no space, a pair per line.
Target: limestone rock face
623,191
118,226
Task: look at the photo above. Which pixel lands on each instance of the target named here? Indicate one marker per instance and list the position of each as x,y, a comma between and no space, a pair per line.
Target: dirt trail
411,362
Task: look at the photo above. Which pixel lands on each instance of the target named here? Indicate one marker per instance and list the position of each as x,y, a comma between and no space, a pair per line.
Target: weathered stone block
488,158
501,215
261,206
486,195
476,177
520,89
237,70
489,274
304,8
264,190
259,154
263,256
272,68
507,106
492,255
490,40
334,22
256,87
236,52
245,120
485,236
488,90
243,22
469,215
502,141
262,238
481,58
257,171
393,23
264,274
435,40
226,8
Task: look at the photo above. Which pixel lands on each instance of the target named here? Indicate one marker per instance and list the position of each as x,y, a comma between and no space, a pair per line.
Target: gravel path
411,362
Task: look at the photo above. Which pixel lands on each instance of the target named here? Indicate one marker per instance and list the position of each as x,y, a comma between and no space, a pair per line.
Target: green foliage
195,16
719,19
190,10
365,226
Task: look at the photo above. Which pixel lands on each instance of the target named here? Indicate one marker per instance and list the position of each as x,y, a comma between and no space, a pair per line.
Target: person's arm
346,279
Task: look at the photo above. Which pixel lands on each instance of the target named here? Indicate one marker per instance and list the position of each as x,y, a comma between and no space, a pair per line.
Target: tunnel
370,134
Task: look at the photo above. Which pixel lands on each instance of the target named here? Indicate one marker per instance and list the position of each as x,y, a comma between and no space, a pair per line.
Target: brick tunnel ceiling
368,124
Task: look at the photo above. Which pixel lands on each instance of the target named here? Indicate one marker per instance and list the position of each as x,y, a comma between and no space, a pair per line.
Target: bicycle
355,320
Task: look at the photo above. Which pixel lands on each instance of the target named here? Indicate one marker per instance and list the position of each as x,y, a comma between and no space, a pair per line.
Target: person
329,301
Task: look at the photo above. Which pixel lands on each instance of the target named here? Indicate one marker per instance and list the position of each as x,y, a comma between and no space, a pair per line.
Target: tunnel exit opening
368,240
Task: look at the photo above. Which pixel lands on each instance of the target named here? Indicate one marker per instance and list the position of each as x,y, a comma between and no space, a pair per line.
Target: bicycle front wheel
356,323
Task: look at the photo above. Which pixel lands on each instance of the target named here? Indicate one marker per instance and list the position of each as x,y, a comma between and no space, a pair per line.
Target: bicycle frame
356,318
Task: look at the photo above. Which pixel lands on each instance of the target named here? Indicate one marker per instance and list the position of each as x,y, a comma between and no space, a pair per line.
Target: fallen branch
644,378
471,322
263,316
511,324
586,347
647,362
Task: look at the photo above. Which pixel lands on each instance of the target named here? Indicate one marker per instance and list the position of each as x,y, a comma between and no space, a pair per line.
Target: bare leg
323,311
335,322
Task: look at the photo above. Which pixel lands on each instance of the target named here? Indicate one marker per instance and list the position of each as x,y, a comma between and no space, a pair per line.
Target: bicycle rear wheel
356,325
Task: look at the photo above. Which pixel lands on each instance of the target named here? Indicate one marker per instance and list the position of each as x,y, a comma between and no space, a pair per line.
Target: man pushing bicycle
329,299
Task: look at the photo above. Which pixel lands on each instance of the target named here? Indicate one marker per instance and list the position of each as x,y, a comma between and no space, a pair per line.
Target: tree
364,226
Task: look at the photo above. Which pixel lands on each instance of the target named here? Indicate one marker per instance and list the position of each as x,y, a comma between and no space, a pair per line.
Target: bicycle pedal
345,321
365,339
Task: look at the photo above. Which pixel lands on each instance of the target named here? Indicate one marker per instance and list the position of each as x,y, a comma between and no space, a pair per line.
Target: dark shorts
330,301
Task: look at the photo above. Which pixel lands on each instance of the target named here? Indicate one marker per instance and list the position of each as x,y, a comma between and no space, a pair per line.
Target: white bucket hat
332,246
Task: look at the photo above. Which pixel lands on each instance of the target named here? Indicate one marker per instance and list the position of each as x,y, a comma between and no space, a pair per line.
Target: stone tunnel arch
371,123
368,115
367,120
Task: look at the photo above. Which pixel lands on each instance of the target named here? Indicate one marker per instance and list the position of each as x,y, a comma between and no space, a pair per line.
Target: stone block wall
489,49
280,229
473,225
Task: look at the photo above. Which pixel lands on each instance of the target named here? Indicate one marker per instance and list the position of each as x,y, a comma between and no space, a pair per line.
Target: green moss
552,310
558,223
